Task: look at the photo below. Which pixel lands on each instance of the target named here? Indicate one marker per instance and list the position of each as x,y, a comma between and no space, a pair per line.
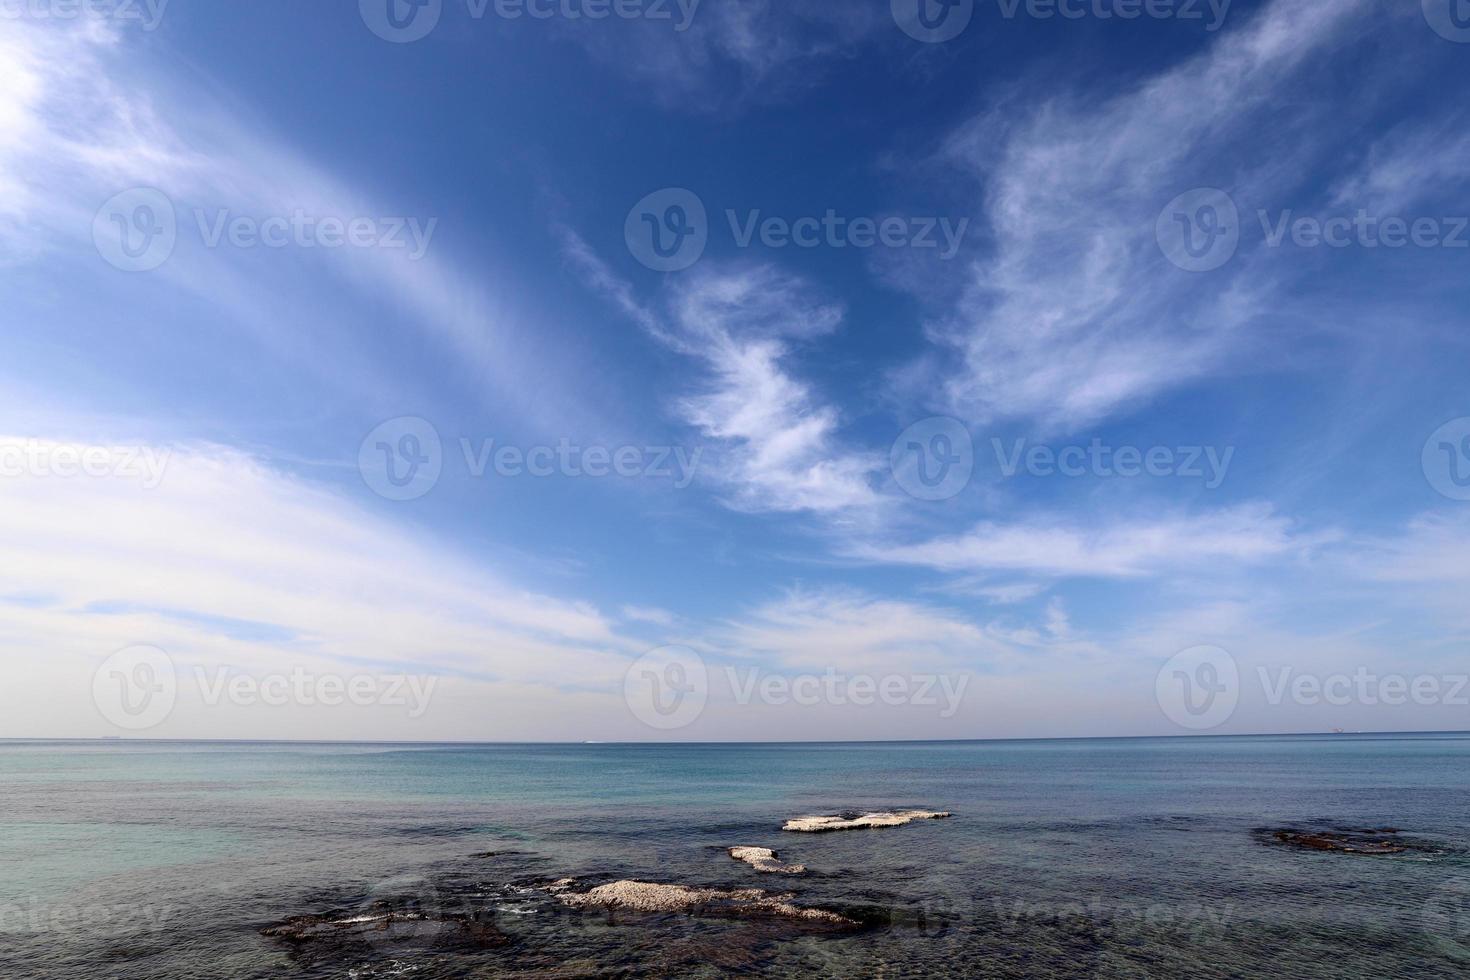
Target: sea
1168,857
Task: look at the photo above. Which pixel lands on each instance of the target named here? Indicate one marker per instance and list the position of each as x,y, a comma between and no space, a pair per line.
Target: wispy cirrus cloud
227,561
93,117
779,443
732,53
1076,315
1111,548
814,629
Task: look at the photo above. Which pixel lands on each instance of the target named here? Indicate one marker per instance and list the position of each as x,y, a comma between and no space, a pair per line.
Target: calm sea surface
1100,858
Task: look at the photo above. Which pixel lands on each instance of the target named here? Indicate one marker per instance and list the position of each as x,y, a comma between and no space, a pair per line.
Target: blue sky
1047,157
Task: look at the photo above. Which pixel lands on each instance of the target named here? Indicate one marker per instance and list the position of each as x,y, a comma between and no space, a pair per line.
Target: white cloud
1119,548
648,614
98,114
779,445
847,630
1076,314
732,53
1405,167
227,561
783,450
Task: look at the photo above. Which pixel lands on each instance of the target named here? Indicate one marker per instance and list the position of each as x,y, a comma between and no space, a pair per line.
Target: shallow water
1100,858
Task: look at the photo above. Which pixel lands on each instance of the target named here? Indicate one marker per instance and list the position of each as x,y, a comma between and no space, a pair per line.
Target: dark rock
1369,842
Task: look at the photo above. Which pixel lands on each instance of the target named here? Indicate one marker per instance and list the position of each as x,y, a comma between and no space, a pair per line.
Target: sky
437,370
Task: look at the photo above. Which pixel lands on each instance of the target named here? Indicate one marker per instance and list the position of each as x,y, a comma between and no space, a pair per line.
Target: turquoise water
1099,858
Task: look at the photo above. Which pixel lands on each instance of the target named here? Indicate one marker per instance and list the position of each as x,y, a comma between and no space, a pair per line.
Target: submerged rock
647,896
1380,841
764,859
381,924
813,825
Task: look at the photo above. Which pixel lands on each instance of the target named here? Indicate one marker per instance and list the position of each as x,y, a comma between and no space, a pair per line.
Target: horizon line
109,739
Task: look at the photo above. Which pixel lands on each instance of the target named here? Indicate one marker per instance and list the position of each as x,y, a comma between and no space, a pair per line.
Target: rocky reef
856,821
1364,841
648,896
380,924
764,859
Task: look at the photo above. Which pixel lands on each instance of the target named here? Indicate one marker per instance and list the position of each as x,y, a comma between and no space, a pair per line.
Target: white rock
813,825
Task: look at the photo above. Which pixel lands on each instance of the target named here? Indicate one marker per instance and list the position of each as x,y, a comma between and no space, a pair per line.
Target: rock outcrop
812,825
647,896
1372,841
764,859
